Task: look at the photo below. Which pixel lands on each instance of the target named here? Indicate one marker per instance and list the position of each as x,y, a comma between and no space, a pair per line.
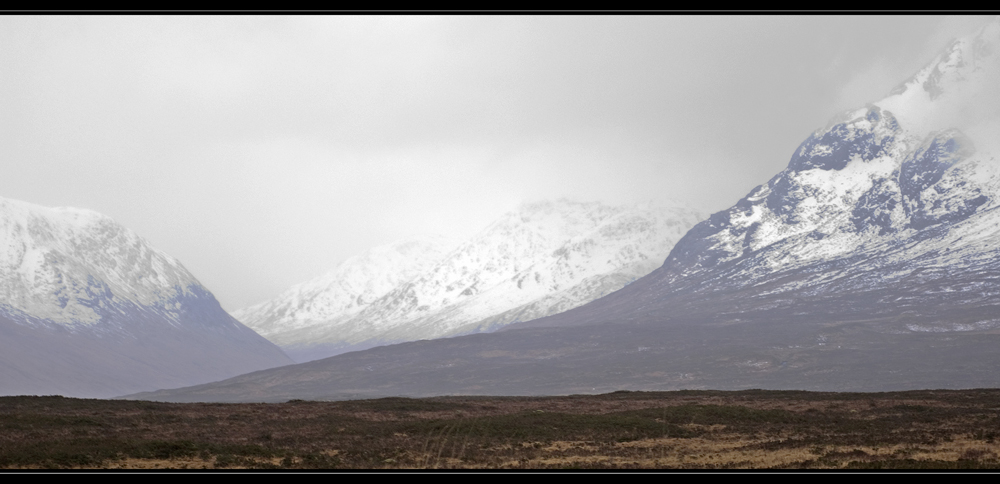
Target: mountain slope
308,319
538,260
88,308
869,264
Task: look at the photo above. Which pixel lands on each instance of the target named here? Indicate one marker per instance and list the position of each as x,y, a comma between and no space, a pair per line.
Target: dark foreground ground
949,429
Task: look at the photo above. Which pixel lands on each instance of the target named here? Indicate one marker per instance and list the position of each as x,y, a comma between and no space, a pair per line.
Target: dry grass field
753,429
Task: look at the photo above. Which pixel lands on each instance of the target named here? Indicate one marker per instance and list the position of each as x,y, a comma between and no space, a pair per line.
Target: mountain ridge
535,260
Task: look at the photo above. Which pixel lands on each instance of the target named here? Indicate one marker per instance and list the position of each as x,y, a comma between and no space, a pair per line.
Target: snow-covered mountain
540,259
88,308
906,186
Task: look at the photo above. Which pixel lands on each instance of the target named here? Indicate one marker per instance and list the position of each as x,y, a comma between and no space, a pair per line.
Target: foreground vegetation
687,429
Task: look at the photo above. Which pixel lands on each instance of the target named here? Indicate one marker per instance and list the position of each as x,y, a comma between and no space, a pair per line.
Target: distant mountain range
872,262
88,308
538,260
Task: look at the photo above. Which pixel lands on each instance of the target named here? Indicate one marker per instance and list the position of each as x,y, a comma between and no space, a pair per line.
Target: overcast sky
263,150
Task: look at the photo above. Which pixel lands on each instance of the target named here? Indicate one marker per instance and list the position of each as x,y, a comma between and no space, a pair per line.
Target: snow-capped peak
956,90
89,308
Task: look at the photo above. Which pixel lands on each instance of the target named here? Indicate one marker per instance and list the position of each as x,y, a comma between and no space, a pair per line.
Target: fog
263,150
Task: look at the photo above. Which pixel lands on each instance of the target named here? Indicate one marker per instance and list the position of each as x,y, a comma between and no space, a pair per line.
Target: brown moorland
751,429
